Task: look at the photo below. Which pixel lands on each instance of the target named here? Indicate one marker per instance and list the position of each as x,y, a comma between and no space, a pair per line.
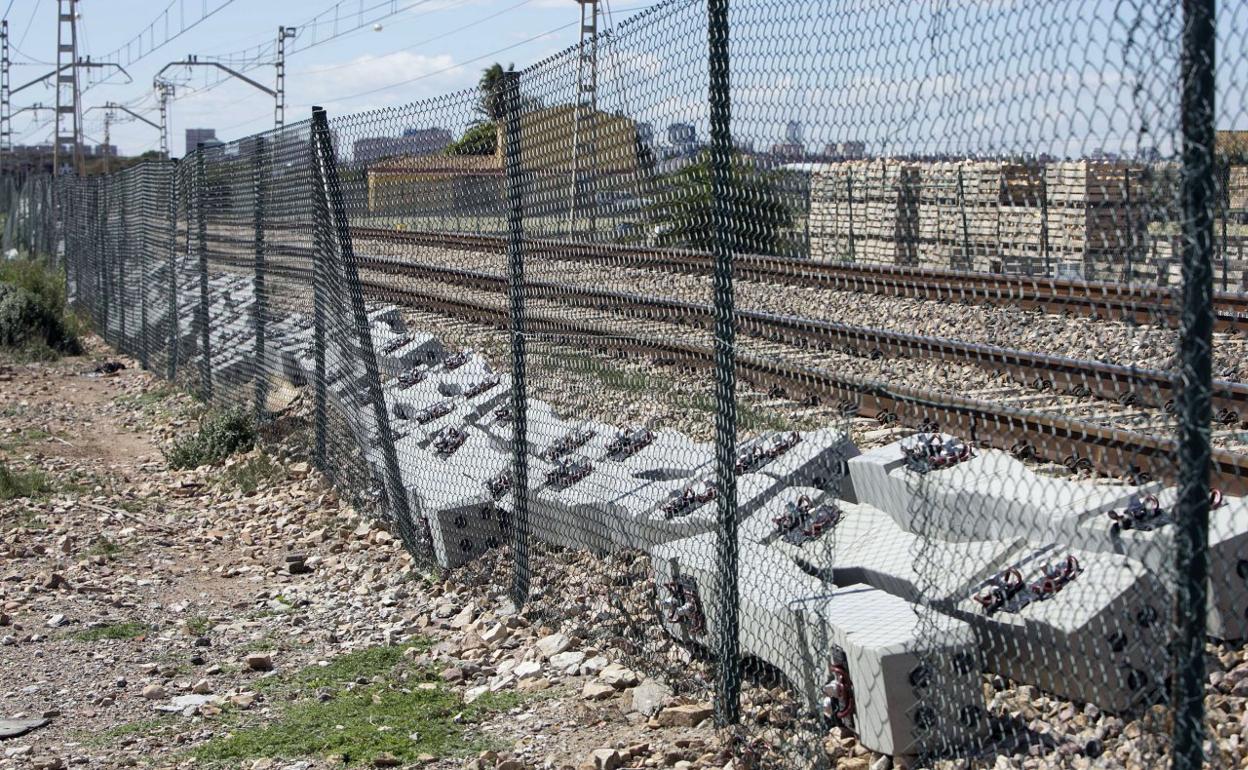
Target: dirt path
244,616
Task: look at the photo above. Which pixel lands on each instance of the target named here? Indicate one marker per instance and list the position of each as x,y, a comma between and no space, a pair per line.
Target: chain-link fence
854,366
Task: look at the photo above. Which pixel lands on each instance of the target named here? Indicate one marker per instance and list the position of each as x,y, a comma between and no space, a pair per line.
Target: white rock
567,662
553,644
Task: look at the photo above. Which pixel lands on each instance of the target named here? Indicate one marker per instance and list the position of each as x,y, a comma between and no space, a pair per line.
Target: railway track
1124,385
1139,304
1079,443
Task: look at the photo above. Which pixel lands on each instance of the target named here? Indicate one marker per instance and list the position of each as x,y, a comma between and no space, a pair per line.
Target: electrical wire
448,33
29,21
206,15
444,70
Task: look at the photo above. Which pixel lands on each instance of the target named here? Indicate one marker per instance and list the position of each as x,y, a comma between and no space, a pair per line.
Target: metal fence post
326,170
1196,371
320,247
1044,227
966,230
201,246
119,265
849,185
259,310
723,225
515,288
174,321
102,261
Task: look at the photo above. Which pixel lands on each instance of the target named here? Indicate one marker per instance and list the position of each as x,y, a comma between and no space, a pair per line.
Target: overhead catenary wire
115,54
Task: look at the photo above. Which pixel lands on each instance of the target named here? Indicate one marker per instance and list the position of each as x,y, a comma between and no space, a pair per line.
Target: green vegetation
22,437
125,630
16,484
254,471
199,625
139,727
357,666
479,139
220,434
104,547
682,214
357,726
401,709
35,323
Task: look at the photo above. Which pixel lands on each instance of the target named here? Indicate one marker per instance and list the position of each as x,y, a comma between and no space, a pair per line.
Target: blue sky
420,41
1068,77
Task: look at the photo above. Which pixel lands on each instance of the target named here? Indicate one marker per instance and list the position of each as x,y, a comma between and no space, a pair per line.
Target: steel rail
1135,303
1108,449
1126,385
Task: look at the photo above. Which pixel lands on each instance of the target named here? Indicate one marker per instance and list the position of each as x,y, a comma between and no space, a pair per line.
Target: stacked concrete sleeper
861,578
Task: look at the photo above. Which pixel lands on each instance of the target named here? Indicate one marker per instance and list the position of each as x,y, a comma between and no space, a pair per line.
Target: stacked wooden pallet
864,211
966,206
1237,190
1097,216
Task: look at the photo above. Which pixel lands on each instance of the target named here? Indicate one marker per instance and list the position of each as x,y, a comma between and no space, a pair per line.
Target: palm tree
491,102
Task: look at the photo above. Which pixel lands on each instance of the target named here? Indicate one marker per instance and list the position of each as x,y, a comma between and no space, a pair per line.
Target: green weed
219,435
16,484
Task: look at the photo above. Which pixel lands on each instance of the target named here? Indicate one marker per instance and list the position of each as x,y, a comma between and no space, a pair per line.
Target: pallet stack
965,208
865,211
1237,191
1097,218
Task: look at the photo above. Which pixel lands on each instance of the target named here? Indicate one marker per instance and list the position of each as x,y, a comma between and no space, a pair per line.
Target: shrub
33,317
219,435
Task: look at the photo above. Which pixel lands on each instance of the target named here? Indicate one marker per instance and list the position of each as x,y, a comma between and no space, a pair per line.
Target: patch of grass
254,471
148,398
749,418
104,547
199,625
606,374
136,728
21,438
219,435
357,723
357,726
360,665
16,484
130,629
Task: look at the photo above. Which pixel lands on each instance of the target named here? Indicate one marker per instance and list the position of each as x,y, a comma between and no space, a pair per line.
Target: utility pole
68,109
6,102
279,96
165,90
586,112
108,122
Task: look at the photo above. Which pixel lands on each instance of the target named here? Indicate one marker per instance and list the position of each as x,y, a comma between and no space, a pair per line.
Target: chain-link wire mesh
939,475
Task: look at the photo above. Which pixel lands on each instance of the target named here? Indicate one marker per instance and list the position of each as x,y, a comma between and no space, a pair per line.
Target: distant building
788,152
197,136
793,132
681,134
645,133
465,182
413,142
106,149
845,150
